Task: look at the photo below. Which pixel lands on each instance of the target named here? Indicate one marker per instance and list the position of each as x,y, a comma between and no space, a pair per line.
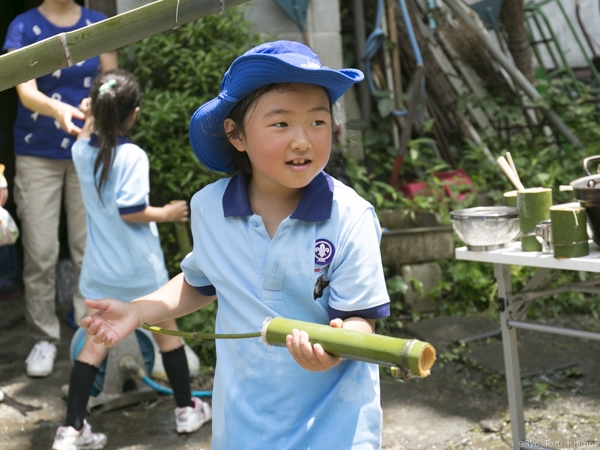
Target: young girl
279,238
123,258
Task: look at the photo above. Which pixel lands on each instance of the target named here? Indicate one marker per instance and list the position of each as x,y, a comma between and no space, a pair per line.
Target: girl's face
287,135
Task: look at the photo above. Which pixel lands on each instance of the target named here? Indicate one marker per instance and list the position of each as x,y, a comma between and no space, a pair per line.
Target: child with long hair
278,238
123,258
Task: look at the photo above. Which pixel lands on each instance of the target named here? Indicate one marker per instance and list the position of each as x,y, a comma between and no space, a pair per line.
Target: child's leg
81,382
175,363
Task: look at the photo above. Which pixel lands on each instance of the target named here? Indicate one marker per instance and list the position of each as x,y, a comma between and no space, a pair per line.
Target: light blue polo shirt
122,260
262,398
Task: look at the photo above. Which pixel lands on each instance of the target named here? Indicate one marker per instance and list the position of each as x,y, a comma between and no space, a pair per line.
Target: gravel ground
462,405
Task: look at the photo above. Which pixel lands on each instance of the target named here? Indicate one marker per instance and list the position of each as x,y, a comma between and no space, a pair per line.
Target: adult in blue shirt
48,120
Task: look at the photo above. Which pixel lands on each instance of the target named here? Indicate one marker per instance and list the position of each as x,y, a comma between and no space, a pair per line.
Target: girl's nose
300,141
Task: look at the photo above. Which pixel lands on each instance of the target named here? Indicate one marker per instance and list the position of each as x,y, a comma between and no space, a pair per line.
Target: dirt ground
462,405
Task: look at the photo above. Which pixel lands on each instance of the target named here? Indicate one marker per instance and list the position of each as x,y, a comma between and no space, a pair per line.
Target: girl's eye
280,125
319,123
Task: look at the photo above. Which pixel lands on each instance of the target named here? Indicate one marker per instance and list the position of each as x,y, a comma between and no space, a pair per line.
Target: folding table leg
511,357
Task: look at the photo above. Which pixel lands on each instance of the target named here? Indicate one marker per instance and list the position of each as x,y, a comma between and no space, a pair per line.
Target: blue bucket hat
272,62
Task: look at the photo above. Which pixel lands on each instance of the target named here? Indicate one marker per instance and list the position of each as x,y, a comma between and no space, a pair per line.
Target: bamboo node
63,42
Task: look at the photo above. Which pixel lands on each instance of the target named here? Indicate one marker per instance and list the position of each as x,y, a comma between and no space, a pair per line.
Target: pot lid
589,182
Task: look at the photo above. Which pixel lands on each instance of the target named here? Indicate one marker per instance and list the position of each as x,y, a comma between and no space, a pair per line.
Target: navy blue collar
120,140
315,203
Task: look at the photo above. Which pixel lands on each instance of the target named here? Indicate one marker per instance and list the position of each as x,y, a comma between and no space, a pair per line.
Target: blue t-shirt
261,397
122,260
35,134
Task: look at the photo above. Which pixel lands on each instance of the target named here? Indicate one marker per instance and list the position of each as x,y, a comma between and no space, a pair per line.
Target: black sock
80,388
178,373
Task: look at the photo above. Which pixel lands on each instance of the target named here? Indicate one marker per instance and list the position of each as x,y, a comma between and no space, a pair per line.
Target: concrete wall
590,15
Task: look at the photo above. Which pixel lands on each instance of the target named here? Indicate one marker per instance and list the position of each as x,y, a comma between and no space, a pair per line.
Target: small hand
86,106
177,211
312,358
112,322
3,196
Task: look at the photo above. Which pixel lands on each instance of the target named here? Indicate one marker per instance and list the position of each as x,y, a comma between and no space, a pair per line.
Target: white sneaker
68,438
190,419
41,359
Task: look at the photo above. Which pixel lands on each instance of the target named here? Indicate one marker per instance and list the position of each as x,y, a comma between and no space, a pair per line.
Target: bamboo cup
534,207
569,231
412,357
183,238
510,198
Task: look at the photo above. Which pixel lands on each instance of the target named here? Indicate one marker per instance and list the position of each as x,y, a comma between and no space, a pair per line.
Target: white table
513,308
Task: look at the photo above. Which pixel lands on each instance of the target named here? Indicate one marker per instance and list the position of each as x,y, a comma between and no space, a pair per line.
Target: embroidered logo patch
324,252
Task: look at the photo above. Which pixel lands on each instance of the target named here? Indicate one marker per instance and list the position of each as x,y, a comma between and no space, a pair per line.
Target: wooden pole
65,49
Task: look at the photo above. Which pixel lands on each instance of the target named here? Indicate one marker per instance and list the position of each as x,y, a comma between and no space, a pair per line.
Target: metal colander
486,227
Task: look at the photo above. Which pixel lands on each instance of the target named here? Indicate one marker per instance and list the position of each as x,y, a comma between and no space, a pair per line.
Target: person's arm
3,187
171,212
108,61
116,319
35,100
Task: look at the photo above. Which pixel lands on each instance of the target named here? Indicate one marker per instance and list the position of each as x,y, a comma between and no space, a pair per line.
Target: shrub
178,71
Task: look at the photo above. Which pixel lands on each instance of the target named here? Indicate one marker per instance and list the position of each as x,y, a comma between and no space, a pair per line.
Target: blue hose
163,390
374,42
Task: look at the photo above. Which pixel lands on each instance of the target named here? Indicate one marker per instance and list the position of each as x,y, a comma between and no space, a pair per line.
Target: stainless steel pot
587,192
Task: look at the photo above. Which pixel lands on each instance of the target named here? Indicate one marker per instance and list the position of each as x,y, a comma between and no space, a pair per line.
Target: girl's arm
116,319
171,212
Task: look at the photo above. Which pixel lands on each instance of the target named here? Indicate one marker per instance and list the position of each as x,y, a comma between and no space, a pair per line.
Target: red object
455,183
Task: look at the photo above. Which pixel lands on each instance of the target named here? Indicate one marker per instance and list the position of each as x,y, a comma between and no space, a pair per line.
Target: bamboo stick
509,173
412,358
512,165
65,49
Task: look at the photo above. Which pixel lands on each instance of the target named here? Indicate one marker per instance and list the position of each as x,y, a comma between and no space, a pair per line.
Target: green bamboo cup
534,207
412,358
510,198
569,231
183,237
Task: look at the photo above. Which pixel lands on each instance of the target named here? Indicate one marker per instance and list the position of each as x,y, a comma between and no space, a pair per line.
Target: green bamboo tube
569,231
65,49
534,207
183,237
412,357
510,198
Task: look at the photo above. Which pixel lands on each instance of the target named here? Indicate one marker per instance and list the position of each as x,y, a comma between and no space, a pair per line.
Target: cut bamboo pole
412,358
408,358
65,49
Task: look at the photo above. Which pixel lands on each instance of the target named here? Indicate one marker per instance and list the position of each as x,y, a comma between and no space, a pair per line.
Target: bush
178,71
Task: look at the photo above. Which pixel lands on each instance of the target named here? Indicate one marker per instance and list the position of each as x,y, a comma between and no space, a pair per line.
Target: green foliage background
181,69
178,71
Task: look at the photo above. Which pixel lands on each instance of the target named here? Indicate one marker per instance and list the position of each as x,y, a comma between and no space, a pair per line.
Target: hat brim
207,135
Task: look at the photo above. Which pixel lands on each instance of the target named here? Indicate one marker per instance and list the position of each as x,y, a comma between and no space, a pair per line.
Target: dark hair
241,162
115,95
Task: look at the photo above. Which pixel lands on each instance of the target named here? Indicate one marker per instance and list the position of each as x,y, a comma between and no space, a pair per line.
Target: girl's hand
86,106
177,211
309,357
112,322
3,196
